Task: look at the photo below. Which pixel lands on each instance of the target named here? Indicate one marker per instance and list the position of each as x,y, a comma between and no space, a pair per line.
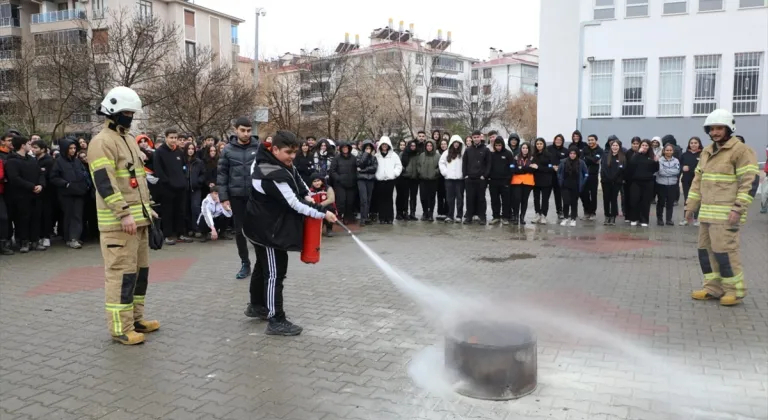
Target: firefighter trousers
720,261
126,266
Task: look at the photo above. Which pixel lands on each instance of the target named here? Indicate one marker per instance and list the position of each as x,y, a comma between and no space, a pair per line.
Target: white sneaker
573,222
684,223
46,242
564,222
644,224
696,223
633,224
592,217
543,220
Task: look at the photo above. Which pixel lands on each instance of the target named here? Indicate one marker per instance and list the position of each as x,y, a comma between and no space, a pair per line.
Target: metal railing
235,41
10,54
10,22
58,16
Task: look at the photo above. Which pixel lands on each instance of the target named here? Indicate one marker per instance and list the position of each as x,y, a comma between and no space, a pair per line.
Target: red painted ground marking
606,243
80,279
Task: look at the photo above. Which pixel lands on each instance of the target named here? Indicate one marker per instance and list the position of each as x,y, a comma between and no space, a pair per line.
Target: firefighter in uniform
123,211
724,185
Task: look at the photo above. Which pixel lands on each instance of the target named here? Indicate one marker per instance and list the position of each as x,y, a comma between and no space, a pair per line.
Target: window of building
233,32
474,75
445,63
445,83
10,47
7,80
707,73
191,49
419,58
743,4
486,106
746,82
601,88
189,18
45,41
98,9
419,100
445,103
486,89
100,41
487,73
637,8
473,91
419,80
473,107
9,15
675,7
710,5
633,104
145,9
671,71
604,9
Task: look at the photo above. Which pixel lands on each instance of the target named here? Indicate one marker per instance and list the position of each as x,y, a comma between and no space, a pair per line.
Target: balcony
10,55
448,89
10,22
58,16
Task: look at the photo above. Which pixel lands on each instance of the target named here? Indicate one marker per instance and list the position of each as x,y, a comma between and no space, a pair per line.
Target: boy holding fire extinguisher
278,203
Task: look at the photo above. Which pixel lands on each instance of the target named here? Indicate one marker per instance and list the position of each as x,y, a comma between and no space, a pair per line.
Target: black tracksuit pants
611,198
174,212
558,195
520,195
219,223
541,199
21,209
267,280
589,195
428,195
668,195
642,195
401,202
476,204
500,196
442,205
73,212
239,213
44,214
365,190
570,202
454,197
345,201
383,191
413,192
4,220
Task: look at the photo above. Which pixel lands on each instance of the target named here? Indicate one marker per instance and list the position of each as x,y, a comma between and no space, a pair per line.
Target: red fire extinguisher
313,229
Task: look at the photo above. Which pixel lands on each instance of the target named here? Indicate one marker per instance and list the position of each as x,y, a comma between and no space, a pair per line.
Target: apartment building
437,74
652,67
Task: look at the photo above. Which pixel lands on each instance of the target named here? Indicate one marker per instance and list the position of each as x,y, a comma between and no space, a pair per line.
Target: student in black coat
195,185
644,165
591,156
72,181
689,161
612,168
476,166
557,152
170,169
626,194
343,173
47,198
542,178
499,178
25,183
305,163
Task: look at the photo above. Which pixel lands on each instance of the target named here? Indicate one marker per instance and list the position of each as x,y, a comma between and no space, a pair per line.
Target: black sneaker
670,223
245,271
256,312
660,222
283,327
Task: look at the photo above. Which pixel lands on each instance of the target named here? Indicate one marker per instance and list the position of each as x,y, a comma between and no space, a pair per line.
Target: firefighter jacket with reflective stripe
119,177
726,180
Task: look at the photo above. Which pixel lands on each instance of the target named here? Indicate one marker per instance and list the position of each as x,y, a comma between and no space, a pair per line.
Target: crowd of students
48,191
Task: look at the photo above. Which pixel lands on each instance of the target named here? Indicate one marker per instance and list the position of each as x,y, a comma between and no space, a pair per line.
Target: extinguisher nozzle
338,222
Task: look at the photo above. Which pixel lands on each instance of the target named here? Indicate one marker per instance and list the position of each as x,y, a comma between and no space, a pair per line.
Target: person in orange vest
522,182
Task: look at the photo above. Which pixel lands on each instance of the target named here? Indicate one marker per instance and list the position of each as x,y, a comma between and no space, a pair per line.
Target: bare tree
281,93
327,77
400,78
520,115
479,103
202,96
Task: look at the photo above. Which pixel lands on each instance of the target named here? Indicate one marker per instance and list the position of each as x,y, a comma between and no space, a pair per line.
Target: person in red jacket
5,246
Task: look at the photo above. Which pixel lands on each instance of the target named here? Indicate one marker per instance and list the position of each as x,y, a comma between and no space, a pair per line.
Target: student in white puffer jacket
450,166
389,168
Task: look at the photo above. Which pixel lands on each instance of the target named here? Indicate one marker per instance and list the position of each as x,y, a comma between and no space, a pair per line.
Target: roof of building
207,10
517,57
241,59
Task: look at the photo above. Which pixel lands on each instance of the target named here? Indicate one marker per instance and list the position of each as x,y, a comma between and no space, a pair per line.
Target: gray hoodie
669,170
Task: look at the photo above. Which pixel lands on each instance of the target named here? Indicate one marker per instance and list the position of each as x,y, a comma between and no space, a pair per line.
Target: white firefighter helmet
720,117
120,99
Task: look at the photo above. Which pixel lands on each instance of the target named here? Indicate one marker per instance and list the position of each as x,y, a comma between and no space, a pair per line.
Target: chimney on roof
493,54
357,39
390,24
528,47
346,37
410,28
402,28
440,34
449,36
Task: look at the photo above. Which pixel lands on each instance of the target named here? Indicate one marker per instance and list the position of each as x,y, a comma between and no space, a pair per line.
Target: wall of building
652,38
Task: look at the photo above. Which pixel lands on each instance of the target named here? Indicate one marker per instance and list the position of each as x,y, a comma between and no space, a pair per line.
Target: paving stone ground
618,335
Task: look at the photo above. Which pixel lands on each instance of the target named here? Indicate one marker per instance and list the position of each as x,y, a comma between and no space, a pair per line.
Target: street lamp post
581,68
260,11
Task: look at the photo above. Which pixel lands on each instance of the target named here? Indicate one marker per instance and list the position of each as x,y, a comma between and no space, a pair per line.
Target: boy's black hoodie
515,149
169,167
581,143
592,158
557,153
23,174
476,162
276,206
500,161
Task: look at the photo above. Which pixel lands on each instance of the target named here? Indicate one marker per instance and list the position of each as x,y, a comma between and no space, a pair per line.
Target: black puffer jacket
69,175
196,174
22,174
367,163
476,162
233,175
344,169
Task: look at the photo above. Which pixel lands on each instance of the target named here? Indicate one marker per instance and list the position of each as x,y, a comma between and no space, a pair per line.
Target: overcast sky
292,25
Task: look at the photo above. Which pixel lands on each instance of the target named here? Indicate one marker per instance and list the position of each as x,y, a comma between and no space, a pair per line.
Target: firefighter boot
702,294
130,338
730,300
145,326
